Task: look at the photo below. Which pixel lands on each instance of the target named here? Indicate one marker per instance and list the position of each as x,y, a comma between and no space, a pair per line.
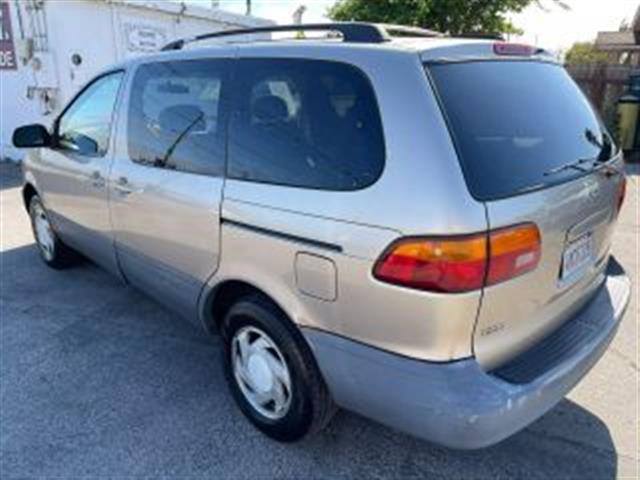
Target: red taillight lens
622,192
460,264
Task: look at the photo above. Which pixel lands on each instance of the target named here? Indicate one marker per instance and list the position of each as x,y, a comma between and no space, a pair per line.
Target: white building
50,48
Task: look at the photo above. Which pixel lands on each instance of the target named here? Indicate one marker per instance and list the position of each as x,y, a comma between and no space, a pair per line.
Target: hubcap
43,232
261,372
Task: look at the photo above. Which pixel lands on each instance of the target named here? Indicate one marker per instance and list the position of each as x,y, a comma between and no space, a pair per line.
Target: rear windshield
516,124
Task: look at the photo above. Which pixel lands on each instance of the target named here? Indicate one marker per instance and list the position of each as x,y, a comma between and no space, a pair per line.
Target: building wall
15,108
100,33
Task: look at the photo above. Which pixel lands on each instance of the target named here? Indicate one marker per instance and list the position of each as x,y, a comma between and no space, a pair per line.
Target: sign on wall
144,38
7,50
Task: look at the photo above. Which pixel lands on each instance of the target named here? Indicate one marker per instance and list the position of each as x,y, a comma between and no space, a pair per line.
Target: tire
309,407
52,251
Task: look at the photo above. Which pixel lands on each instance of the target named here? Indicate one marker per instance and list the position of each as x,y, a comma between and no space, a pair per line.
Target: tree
585,52
455,17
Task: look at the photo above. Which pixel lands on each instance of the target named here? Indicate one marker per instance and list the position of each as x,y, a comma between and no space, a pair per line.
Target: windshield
516,124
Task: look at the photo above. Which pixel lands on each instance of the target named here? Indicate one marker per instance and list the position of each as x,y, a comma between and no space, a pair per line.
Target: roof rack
483,36
351,32
406,31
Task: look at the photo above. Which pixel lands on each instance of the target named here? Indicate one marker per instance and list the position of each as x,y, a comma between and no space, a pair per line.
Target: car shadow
10,175
98,380
568,442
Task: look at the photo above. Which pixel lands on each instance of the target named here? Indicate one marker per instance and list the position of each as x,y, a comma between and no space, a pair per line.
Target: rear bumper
457,404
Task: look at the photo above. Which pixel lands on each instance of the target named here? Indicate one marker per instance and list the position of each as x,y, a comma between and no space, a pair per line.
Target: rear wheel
54,253
272,373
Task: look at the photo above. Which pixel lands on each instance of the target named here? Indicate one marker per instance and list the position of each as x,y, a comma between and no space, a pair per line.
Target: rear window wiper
605,146
596,165
577,165
603,161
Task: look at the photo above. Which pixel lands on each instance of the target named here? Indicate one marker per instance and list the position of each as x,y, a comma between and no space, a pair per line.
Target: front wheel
272,373
54,253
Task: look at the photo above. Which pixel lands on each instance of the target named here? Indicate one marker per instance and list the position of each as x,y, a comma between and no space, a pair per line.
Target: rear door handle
122,186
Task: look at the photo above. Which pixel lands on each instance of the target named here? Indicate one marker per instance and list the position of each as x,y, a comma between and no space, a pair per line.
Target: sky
554,29
559,29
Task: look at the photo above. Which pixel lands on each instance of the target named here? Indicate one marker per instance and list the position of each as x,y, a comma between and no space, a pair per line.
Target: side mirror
31,136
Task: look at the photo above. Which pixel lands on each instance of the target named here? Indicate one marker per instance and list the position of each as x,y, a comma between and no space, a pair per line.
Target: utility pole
297,15
248,7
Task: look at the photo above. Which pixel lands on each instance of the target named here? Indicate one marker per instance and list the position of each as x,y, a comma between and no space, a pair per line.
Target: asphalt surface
98,381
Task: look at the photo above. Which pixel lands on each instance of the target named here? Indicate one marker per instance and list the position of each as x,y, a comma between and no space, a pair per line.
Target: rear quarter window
305,123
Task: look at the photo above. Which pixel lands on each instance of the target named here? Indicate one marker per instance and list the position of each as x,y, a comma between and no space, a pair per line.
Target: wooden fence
603,84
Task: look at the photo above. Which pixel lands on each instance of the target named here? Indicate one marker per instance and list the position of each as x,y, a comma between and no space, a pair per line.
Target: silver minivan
415,227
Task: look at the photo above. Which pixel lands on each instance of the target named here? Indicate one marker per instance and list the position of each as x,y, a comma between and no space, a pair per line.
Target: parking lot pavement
97,380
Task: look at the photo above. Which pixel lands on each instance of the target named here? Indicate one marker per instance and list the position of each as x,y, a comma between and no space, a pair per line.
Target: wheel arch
220,298
28,192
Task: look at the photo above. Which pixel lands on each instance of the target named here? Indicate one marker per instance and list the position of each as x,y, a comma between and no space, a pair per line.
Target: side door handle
97,180
122,186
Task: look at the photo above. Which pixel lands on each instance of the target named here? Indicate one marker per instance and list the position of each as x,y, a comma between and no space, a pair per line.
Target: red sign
7,50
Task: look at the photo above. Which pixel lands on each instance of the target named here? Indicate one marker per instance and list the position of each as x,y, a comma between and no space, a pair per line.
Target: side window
305,123
86,125
176,116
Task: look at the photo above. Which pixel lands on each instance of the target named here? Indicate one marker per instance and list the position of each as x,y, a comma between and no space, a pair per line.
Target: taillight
460,264
513,251
622,192
435,264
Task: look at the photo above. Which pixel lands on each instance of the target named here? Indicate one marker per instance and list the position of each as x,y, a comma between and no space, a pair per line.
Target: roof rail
483,36
406,31
352,32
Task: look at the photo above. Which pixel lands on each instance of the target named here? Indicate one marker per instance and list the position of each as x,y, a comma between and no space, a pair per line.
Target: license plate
578,255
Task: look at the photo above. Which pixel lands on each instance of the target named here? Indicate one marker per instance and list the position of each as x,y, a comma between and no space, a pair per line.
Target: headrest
179,118
270,109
